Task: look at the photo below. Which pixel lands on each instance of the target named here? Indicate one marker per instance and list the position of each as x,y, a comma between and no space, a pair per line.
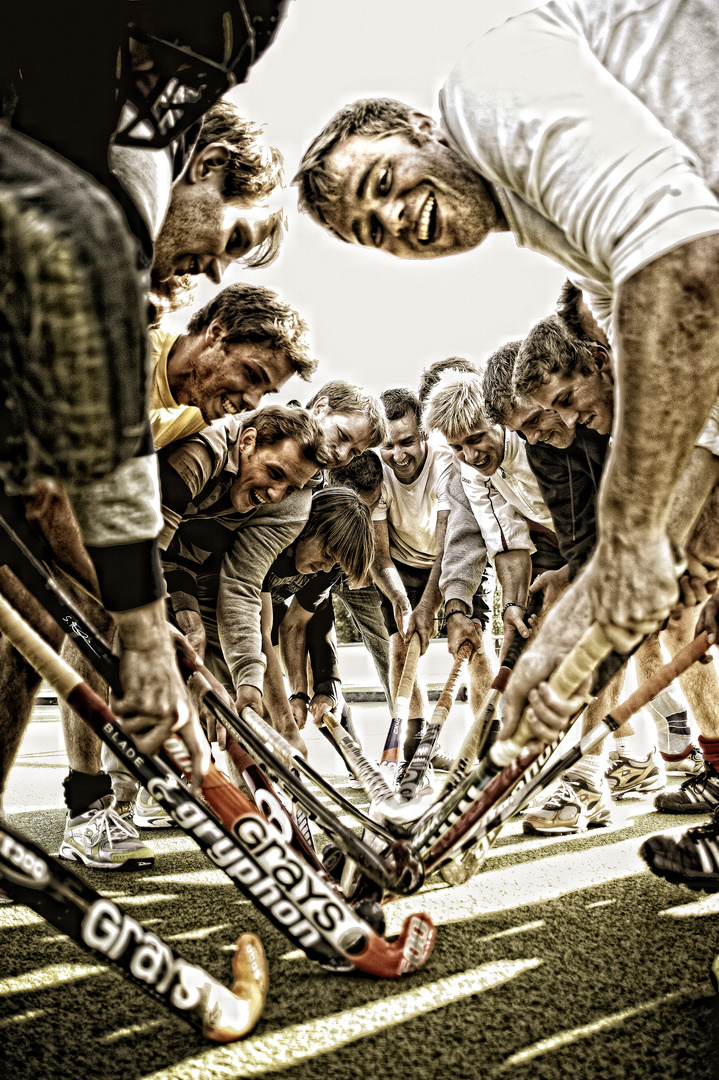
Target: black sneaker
692,860
697,795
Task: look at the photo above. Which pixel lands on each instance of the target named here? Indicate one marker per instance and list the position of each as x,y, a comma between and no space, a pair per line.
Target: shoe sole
639,789
562,830
129,865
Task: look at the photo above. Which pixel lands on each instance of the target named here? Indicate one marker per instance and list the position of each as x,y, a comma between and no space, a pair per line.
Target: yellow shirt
169,420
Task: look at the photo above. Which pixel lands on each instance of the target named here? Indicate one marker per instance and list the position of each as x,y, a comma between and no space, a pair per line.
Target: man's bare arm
422,618
386,578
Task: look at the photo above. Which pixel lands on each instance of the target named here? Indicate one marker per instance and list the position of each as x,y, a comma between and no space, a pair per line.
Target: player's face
229,379
405,451
203,232
580,399
347,434
269,473
311,557
415,202
541,425
482,448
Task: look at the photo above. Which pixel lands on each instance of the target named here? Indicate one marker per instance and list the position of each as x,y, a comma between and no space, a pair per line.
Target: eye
376,231
566,401
275,474
239,242
252,375
384,181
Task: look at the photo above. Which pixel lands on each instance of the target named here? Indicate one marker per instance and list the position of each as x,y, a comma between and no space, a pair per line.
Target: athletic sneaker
574,806
697,795
103,840
625,774
441,762
149,814
691,860
693,763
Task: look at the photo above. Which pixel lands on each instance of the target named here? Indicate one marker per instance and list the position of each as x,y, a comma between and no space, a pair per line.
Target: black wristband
512,603
301,695
449,614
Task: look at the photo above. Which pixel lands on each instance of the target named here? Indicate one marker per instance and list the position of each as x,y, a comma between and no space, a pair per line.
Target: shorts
414,579
546,557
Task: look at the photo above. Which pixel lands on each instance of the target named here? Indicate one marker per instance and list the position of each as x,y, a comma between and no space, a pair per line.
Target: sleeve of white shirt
443,502
503,527
709,436
537,113
380,511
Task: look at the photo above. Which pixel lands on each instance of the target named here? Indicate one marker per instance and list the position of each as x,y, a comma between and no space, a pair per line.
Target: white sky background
374,319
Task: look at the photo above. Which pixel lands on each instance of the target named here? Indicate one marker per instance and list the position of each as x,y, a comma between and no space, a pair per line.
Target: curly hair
344,523
363,473
253,313
497,383
399,402
319,187
551,348
431,375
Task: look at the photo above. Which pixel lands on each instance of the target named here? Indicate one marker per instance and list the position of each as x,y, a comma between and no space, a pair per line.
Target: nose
276,492
569,416
252,397
470,453
343,454
391,214
398,454
214,269
532,436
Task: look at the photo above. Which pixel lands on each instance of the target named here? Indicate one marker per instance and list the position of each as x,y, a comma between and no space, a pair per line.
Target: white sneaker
148,814
692,764
101,839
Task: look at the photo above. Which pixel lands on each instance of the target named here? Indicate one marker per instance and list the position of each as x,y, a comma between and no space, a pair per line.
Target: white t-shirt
547,107
411,509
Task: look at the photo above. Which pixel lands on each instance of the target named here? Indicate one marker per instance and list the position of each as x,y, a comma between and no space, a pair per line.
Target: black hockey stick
98,925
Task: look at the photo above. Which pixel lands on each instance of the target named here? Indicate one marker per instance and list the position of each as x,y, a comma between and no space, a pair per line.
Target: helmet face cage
189,83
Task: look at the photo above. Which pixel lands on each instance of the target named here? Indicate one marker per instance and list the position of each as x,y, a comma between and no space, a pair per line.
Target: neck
182,365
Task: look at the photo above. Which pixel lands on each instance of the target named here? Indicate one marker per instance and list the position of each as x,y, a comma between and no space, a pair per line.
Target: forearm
695,486
432,597
293,645
667,373
514,569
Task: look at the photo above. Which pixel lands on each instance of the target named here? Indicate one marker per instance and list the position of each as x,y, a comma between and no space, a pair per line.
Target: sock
674,740
412,737
590,769
710,751
82,789
391,743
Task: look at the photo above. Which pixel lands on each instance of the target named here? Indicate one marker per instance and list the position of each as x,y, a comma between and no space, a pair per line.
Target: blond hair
456,405
344,524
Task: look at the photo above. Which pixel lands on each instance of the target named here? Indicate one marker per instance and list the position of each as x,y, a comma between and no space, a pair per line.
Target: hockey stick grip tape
409,673
578,665
37,652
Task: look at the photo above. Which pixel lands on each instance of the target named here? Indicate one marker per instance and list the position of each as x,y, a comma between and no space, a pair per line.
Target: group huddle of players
580,462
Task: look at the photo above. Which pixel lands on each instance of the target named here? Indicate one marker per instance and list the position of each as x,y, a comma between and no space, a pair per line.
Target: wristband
512,603
301,695
449,614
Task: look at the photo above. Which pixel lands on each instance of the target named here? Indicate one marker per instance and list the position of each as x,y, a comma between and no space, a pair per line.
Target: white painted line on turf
600,903
302,1042
513,930
43,978
141,898
20,1018
710,906
134,1029
521,885
565,1038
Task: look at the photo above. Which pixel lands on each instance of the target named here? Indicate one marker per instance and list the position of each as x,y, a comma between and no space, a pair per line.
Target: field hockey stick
475,742
369,776
36,577
465,842
295,899
417,767
592,648
402,701
101,928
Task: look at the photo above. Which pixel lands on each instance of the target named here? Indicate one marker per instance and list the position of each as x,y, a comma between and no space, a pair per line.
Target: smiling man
219,209
601,150
234,497
243,344
410,524
351,420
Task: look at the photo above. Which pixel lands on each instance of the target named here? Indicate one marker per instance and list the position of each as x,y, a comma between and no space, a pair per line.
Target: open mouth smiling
427,220
228,406
256,498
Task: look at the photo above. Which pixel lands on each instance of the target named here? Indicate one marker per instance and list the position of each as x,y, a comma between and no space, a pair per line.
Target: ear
207,163
603,360
320,406
214,332
428,126
248,440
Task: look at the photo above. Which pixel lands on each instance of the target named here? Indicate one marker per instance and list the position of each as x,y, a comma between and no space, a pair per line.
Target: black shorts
415,580
546,557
